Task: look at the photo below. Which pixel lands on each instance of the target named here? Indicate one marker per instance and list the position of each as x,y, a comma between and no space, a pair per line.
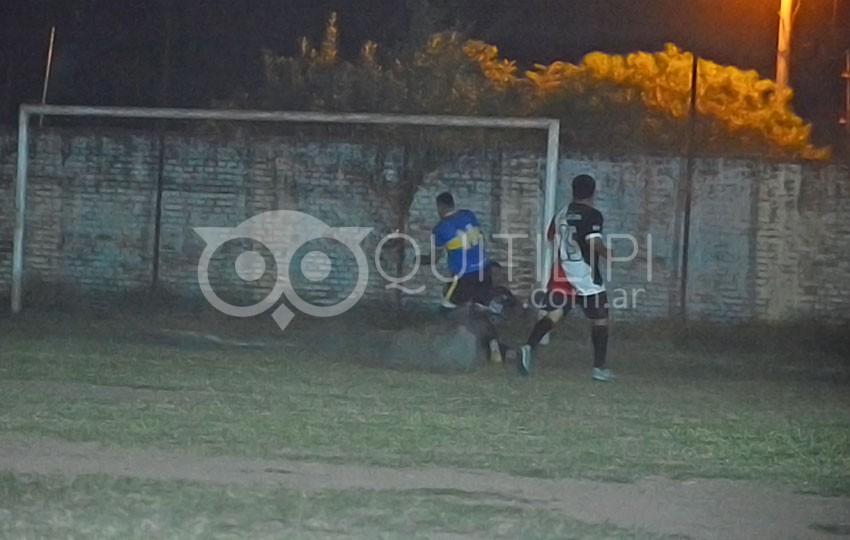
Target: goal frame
551,125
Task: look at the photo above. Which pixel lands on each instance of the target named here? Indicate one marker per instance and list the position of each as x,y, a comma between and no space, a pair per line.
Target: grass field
116,427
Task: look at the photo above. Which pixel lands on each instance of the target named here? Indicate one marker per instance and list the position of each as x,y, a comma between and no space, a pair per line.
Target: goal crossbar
551,125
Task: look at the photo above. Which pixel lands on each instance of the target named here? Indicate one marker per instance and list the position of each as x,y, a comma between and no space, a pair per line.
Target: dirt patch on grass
704,509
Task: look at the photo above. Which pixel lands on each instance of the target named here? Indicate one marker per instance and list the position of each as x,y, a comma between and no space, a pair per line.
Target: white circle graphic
281,232
250,266
316,266
359,288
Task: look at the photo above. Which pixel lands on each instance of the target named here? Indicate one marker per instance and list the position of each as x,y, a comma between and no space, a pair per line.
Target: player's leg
556,304
460,291
596,309
467,292
449,293
482,294
490,337
544,326
484,327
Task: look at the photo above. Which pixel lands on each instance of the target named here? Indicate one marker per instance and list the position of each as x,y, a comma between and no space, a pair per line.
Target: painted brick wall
802,256
768,240
209,185
90,202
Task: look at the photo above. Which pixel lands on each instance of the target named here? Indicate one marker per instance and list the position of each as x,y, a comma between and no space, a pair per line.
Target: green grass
673,412
694,404
102,507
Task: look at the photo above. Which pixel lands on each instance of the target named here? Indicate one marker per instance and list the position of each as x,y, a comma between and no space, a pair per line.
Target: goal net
111,211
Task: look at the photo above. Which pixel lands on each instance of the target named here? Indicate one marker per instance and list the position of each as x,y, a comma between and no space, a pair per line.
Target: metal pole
47,72
157,224
20,211
846,77
295,116
549,196
163,101
689,175
783,45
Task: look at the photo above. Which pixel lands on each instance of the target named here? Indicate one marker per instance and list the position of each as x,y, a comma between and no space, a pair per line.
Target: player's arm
598,249
427,259
439,244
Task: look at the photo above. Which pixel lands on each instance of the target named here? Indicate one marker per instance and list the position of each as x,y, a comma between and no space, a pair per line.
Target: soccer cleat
525,361
495,352
446,304
602,374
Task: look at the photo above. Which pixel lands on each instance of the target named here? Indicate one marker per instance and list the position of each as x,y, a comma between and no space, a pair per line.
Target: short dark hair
445,199
583,186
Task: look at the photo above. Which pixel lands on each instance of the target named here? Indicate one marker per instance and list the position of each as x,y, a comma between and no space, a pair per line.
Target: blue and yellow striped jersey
461,235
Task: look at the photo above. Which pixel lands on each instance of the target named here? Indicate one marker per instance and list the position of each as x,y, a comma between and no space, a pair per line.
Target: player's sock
495,351
543,327
486,328
599,337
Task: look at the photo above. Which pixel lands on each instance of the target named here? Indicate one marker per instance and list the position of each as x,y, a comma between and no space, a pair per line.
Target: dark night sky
109,52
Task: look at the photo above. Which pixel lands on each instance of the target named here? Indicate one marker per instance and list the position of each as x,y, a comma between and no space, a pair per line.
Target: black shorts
472,287
595,306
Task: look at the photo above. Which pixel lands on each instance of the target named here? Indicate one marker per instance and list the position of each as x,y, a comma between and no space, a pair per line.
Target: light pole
783,46
846,76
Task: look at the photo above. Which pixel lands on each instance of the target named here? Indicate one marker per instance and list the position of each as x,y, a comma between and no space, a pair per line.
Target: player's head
445,203
584,186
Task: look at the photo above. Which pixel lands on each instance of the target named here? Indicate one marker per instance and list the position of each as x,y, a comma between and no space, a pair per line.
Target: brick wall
768,240
802,256
89,205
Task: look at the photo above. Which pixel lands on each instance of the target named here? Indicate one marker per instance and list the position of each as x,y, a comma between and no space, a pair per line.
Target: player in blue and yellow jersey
460,234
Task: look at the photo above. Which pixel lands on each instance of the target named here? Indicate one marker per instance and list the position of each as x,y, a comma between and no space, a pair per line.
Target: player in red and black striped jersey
576,232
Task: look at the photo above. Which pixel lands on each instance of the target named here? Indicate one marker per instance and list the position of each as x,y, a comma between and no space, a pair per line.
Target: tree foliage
638,101
440,78
739,109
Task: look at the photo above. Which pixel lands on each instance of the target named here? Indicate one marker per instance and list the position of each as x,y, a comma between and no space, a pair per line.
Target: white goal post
552,126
